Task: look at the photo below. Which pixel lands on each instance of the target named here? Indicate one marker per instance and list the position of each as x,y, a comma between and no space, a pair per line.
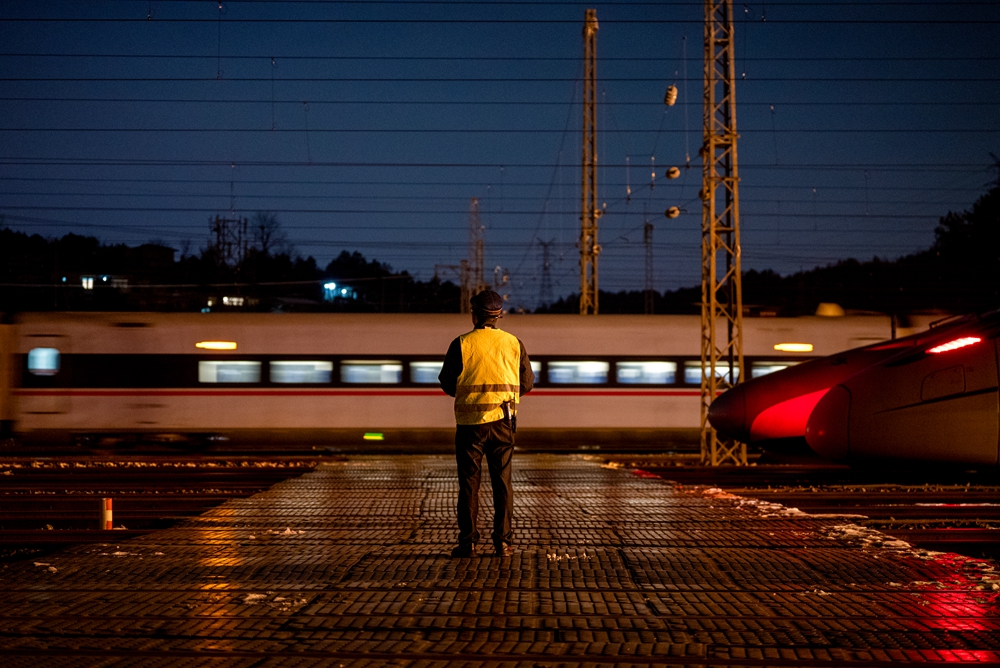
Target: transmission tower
589,249
230,239
647,240
476,250
721,290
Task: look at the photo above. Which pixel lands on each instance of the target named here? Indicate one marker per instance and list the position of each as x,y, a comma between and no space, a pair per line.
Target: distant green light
374,436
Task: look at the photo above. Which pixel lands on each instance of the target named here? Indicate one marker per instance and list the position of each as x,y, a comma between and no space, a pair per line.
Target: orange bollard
106,522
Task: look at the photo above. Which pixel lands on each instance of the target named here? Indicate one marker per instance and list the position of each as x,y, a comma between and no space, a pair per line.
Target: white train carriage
344,378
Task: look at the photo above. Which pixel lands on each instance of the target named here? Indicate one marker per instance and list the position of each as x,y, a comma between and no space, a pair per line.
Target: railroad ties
349,565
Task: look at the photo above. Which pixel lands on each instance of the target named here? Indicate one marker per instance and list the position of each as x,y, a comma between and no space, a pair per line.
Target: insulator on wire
671,97
672,212
673,173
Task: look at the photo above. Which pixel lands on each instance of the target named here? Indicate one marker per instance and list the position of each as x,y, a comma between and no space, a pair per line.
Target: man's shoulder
493,332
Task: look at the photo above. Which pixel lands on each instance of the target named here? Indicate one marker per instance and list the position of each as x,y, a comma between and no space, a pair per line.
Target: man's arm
527,375
452,368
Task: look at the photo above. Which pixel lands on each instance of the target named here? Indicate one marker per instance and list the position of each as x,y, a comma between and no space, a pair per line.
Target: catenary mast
721,289
589,249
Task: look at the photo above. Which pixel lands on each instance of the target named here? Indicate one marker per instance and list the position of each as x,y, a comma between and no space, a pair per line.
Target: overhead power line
505,131
490,21
490,80
464,59
841,102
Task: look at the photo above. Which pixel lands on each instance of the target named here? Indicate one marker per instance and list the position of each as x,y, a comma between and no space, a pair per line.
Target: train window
584,373
371,371
228,371
692,372
758,369
425,372
646,373
536,368
43,361
301,372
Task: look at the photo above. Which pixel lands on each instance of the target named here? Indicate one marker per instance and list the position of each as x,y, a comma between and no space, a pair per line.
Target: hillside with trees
960,272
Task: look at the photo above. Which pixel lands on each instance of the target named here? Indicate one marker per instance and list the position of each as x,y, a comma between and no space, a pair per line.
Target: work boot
463,552
504,550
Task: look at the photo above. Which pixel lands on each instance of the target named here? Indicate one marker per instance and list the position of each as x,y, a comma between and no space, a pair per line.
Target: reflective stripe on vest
491,365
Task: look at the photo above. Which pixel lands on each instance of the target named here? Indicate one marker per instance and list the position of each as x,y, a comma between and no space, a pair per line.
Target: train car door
7,376
45,375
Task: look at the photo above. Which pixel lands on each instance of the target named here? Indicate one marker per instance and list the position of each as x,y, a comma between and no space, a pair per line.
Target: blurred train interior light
374,436
43,361
216,345
425,372
301,371
794,347
956,344
229,371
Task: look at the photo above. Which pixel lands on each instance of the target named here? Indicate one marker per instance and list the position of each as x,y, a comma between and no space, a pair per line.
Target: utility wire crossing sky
369,126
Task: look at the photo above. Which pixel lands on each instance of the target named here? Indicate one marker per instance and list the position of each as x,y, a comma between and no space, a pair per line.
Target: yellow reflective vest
491,363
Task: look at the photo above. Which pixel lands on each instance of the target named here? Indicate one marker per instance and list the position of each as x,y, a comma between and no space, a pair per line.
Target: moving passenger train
344,378
931,396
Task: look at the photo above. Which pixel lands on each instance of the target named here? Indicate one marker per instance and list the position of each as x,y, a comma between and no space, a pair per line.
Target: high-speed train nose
827,431
728,414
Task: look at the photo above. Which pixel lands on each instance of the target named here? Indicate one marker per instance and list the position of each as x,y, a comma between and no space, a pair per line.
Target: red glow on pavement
787,418
955,345
960,598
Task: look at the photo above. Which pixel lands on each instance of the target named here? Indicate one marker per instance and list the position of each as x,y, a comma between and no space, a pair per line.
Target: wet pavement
349,565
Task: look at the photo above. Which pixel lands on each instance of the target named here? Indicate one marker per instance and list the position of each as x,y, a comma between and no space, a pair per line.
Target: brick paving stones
348,565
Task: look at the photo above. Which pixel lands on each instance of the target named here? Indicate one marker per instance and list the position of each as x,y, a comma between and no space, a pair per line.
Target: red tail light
956,344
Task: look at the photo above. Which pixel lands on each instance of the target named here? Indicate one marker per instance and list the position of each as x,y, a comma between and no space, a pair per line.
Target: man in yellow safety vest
487,371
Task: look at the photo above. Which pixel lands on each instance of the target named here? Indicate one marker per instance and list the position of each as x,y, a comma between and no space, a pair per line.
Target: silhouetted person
487,371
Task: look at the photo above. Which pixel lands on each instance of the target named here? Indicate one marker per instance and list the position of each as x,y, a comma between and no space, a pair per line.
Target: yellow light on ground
374,436
794,347
216,345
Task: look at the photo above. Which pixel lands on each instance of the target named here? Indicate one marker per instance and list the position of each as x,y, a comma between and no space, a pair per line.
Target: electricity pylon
476,250
721,290
589,249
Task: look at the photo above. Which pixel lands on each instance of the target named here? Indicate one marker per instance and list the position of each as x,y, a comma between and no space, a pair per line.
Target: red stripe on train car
237,392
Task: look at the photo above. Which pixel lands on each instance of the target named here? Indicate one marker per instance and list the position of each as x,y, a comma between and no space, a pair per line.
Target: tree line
960,272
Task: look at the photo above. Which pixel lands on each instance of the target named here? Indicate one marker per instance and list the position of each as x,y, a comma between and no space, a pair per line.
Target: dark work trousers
496,441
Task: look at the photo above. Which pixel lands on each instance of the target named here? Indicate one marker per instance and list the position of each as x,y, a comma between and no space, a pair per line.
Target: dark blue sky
369,125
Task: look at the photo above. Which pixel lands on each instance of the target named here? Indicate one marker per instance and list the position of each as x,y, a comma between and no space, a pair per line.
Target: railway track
46,502
940,508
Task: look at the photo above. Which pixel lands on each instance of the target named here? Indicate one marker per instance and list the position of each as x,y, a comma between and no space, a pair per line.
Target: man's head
487,306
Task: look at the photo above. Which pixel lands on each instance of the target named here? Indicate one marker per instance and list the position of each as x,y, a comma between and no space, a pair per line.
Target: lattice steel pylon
589,249
476,249
721,289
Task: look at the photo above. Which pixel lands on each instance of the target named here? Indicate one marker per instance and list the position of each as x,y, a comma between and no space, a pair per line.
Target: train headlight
216,345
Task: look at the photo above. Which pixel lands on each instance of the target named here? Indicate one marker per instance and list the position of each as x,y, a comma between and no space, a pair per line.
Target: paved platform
348,565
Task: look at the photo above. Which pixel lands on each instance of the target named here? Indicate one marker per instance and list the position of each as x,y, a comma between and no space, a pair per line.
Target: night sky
369,126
